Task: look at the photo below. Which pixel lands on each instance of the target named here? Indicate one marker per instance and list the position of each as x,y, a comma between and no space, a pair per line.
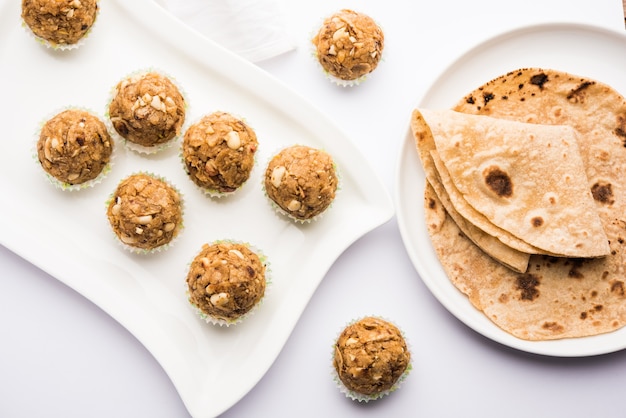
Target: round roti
556,297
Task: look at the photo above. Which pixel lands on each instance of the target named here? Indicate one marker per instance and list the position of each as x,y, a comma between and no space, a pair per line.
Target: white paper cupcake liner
62,47
356,396
209,319
58,183
161,248
138,148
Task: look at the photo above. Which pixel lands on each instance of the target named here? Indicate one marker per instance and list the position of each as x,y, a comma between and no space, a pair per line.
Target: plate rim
489,329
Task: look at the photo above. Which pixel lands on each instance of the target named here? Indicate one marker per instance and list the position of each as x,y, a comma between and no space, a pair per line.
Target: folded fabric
254,29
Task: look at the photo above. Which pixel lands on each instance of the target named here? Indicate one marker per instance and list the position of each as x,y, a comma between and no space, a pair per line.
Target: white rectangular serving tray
67,233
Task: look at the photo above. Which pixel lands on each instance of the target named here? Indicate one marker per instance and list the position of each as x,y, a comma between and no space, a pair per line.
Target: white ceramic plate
577,49
67,234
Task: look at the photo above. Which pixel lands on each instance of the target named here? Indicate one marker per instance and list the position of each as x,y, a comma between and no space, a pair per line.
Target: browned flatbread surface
501,246
556,297
498,167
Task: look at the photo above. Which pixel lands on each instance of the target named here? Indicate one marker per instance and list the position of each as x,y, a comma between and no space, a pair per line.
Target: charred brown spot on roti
432,204
487,97
617,287
577,94
539,80
527,285
574,271
552,260
620,131
537,221
587,314
603,193
498,181
470,100
552,326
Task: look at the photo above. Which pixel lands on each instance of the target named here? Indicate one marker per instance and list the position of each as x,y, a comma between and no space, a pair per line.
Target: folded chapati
500,245
527,179
557,297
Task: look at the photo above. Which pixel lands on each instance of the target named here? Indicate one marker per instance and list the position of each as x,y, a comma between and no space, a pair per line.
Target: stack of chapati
525,201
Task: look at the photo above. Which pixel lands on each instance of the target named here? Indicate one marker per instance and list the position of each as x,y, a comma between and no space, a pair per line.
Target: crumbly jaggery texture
226,280
147,109
370,356
145,212
59,21
302,181
74,146
218,152
349,44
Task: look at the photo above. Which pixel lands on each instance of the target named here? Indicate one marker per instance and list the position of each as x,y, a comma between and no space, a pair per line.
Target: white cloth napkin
254,29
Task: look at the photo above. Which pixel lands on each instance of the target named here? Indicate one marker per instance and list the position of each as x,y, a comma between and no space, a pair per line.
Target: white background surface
61,356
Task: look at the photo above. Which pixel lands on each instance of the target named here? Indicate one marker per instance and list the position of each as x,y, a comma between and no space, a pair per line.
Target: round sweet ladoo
57,22
226,280
145,212
74,147
349,45
218,152
147,109
301,181
371,358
